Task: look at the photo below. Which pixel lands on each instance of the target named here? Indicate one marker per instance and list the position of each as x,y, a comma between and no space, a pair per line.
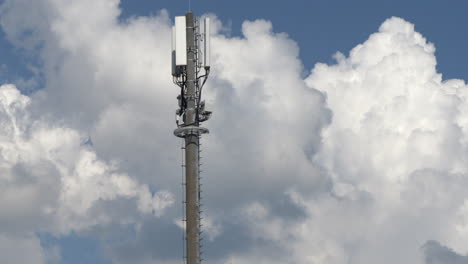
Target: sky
339,133
336,25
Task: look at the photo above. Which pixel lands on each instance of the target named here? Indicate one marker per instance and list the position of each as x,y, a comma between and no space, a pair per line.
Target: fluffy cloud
21,250
364,161
51,181
435,254
398,139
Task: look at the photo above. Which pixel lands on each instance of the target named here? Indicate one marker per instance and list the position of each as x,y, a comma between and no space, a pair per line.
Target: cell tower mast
190,70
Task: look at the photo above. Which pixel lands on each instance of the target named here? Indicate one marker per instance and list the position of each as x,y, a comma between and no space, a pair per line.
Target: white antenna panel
201,46
207,51
180,41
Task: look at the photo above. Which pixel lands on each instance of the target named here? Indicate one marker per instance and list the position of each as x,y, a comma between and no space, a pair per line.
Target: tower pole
190,57
191,150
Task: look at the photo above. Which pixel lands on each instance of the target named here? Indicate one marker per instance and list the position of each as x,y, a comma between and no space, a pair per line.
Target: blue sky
340,149
323,27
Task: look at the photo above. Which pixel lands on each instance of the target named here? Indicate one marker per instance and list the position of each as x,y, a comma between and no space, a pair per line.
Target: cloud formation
398,139
363,161
53,182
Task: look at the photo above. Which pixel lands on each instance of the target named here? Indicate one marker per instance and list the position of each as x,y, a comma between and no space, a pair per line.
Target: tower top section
191,63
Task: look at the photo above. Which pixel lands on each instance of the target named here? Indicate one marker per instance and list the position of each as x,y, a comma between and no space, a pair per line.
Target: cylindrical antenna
207,46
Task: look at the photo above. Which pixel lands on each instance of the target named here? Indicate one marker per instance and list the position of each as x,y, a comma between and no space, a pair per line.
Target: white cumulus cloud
364,161
52,182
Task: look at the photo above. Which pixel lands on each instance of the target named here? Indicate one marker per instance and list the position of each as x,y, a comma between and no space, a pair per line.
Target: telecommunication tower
190,70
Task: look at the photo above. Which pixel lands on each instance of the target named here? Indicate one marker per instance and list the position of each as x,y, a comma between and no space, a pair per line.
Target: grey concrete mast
188,61
191,151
